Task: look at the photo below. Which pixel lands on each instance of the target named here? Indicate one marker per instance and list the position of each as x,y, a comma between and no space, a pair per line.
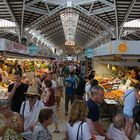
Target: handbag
77,137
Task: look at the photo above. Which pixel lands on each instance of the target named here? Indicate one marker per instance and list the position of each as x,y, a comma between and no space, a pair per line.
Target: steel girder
101,10
97,19
126,16
11,13
35,10
39,20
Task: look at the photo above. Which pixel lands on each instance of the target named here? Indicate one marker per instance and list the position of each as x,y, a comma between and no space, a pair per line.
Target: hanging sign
70,43
33,50
123,47
89,52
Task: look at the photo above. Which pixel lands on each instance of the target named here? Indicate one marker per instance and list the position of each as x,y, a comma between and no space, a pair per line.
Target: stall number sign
69,43
89,53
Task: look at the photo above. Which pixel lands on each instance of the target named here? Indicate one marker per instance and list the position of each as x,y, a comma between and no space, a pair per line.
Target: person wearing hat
11,123
29,111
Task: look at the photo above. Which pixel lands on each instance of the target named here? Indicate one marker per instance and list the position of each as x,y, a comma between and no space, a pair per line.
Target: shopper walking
77,127
93,117
49,101
70,84
29,111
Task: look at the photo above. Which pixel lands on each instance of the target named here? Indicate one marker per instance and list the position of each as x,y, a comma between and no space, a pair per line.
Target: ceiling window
69,21
132,24
7,23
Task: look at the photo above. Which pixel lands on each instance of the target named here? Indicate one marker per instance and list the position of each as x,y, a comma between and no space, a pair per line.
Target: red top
51,101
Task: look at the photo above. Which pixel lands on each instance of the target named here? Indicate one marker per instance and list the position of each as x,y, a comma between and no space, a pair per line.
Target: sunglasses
31,97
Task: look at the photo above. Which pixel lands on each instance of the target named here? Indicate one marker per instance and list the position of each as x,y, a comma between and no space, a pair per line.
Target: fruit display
103,80
114,94
107,85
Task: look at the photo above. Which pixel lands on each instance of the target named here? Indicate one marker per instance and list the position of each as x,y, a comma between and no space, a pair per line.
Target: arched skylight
69,21
133,24
6,23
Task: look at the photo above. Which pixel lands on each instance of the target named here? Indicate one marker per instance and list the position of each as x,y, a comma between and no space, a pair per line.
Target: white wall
102,70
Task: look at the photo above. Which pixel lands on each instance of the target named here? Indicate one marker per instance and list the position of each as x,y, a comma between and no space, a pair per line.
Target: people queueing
16,92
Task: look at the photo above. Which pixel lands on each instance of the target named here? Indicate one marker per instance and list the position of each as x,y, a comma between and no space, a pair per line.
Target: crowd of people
31,108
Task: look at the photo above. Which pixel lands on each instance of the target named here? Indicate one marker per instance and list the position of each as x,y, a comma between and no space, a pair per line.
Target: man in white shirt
29,111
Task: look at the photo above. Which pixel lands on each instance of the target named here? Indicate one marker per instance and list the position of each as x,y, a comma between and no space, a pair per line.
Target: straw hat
32,90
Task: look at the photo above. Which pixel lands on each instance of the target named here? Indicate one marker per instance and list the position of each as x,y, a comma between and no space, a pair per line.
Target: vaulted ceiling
99,20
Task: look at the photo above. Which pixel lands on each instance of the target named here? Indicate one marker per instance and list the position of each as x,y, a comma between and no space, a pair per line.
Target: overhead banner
89,52
33,49
15,47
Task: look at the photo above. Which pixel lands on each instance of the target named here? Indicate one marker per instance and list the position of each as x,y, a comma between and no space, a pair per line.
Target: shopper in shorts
49,101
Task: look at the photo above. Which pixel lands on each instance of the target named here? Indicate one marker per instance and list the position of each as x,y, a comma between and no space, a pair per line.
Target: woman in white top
77,128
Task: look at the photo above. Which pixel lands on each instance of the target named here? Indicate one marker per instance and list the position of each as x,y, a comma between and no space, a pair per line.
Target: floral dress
10,134
41,133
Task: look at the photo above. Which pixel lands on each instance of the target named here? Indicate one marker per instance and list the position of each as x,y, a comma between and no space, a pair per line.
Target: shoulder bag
77,137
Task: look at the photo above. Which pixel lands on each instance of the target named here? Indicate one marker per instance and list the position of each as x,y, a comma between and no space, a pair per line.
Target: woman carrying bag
77,128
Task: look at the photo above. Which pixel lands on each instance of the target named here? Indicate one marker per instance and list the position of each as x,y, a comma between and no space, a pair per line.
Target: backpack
69,82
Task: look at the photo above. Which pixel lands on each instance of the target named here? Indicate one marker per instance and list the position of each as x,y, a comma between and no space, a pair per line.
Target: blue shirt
70,84
129,102
93,113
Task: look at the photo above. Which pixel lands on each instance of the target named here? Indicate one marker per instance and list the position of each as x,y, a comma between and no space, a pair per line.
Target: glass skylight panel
133,23
6,23
69,21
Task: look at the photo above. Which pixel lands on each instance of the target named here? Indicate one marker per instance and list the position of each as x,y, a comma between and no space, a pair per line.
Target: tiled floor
61,123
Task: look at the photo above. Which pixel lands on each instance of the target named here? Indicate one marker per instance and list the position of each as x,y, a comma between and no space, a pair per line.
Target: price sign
69,43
